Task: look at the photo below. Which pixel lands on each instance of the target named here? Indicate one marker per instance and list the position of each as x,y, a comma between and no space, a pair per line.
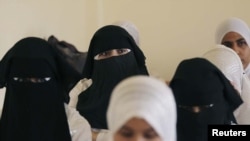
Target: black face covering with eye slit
94,101
197,82
36,87
106,73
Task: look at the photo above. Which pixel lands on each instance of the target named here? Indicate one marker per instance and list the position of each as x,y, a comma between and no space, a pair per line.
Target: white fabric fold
230,64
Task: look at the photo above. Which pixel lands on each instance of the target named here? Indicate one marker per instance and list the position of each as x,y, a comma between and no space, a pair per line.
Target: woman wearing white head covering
235,34
146,100
230,64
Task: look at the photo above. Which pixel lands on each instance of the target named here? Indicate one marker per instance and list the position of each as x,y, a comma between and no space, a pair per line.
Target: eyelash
110,53
127,134
239,43
120,51
150,135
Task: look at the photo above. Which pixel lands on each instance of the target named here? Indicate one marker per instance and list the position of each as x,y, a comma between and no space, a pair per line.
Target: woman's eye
123,51
120,51
126,134
242,43
227,44
150,135
111,53
103,54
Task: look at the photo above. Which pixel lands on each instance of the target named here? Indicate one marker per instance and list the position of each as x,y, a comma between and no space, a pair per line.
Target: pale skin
111,53
136,129
236,42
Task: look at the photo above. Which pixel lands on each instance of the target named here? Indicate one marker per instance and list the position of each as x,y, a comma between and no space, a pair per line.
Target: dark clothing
37,82
197,82
69,52
106,73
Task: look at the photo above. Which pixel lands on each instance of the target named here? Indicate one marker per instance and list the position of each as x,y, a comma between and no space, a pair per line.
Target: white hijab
232,24
230,64
143,97
237,25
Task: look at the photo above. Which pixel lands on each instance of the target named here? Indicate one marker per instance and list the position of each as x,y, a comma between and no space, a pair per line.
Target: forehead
137,124
232,36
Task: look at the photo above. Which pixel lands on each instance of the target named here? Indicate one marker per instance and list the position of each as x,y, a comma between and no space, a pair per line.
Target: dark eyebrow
226,42
241,39
150,130
124,127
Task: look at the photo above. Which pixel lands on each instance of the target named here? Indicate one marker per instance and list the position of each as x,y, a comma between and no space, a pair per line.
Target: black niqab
37,83
106,73
197,82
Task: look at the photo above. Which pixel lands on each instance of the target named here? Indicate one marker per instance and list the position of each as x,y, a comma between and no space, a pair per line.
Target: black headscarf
34,111
197,82
106,73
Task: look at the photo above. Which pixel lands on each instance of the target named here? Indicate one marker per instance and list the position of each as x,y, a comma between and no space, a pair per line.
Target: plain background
170,30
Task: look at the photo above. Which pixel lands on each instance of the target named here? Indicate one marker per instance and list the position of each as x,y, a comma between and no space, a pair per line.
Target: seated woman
234,33
112,56
37,84
142,108
204,96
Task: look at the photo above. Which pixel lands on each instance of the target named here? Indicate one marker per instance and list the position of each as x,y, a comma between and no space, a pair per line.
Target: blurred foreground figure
142,108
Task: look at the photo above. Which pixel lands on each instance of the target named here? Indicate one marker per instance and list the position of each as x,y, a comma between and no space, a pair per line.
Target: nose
138,138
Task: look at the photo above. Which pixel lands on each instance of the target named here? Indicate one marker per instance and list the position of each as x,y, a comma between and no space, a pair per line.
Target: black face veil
197,82
37,83
106,73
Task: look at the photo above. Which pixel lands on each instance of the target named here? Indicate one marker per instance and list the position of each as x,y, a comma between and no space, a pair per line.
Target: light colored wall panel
170,30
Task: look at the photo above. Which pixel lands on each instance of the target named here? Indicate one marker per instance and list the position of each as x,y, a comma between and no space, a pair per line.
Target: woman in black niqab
37,83
204,96
106,73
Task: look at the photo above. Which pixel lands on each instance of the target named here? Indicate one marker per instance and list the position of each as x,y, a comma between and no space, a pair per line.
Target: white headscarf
232,24
143,97
228,62
131,29
243,112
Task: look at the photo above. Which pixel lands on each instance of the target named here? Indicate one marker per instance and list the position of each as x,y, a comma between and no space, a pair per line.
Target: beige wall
170,30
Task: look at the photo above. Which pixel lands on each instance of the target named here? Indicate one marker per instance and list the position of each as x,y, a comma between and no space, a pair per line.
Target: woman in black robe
204,96
37,83
112,56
